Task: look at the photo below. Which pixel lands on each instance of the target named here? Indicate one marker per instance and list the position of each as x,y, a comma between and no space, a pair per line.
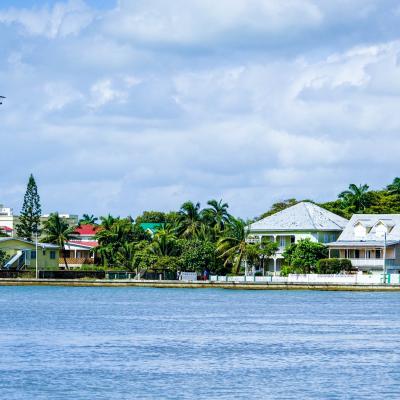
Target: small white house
304,220
371,242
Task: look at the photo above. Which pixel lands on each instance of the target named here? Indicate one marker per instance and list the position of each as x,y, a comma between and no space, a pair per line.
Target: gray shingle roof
392,221
303,216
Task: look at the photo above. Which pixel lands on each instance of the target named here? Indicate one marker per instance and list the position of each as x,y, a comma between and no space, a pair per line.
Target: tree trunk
65,259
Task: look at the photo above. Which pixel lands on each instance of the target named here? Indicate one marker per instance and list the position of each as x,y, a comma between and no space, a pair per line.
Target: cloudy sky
122,106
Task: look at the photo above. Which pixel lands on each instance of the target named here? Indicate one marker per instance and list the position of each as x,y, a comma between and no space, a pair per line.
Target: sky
123,106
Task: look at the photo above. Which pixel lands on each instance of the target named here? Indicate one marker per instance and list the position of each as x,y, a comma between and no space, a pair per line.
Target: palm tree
233,246
355,196
113,234
164,243
108,221
57,231
394,187
88,219
126,254
190,219
217,214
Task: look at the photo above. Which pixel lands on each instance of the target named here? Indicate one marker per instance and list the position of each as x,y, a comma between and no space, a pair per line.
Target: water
133,343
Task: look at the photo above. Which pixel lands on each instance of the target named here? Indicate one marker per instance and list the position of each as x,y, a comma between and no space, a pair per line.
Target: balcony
372,262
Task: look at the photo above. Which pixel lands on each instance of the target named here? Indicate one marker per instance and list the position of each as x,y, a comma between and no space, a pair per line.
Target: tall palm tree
233,247
57,231
394,187
190,219
355,196
88,219
217,214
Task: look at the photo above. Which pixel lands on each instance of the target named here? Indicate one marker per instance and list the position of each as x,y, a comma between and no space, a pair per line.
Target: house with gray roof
304,220
371,242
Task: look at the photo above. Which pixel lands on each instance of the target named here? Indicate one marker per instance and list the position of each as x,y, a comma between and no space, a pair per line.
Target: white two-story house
371,242
304,220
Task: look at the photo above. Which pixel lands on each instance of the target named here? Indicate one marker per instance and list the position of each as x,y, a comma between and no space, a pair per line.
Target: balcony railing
372,262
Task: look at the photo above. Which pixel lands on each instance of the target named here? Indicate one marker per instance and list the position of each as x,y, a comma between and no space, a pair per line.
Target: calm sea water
131,343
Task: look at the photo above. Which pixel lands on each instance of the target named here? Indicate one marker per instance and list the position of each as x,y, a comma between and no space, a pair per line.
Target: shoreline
200,285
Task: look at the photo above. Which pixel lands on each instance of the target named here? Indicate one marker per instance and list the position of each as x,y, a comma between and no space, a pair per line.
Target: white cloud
103,92
183,22
61,20
60,94
159,102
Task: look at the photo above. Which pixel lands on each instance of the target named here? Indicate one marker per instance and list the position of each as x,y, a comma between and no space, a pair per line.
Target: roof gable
304,216
375,222
87,229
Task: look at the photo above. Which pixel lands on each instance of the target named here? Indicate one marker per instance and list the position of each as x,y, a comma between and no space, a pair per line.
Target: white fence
188,276
362,279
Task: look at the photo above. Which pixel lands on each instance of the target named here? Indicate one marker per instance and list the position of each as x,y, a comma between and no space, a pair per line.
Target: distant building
370,241
6,211
304,220
70,219
152,227
9,221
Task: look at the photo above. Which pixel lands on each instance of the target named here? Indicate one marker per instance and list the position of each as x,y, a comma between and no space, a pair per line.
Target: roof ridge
328,214
309,214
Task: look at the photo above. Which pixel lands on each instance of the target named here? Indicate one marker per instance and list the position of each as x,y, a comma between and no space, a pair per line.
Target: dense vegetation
357,199
199,239
196,239
192,239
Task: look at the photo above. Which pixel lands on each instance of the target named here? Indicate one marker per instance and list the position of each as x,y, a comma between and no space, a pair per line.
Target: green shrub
289,269
333,265
304,255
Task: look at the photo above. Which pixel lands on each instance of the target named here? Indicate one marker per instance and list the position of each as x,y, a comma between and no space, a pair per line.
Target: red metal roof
5,229
87,243
87,230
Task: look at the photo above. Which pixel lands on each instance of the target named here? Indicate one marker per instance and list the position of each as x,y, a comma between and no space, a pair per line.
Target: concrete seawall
199,285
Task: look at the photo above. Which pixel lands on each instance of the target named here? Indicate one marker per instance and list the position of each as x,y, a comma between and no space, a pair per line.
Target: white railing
338,279
367,262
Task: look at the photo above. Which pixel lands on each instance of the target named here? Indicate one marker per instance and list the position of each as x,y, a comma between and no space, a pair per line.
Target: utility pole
36,247
384,259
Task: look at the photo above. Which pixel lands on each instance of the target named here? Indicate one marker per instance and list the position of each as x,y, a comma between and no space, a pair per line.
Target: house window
33,254
52,255
368,254
378,253
356,253
292,239
326,238
282,241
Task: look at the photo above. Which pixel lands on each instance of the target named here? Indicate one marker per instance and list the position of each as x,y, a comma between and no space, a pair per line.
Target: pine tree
29,220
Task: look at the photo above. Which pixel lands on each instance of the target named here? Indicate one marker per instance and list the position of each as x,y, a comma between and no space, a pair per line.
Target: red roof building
85,233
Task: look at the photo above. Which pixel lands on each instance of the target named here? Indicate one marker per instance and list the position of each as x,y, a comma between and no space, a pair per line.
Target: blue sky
122,106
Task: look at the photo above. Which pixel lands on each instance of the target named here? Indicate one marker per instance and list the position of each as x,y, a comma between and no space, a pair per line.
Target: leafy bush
198,255
289,269
333,265
304,255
